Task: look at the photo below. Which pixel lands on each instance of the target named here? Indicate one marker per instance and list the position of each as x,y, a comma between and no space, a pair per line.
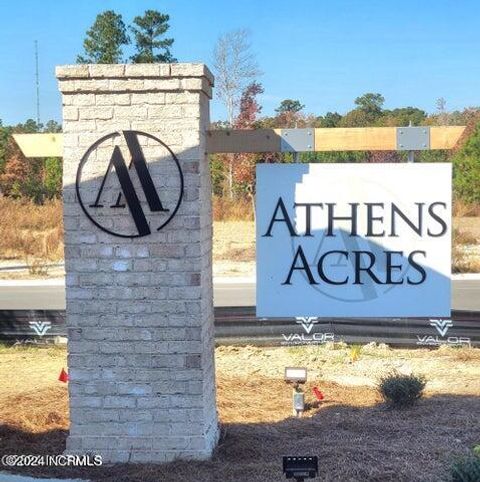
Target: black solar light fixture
300,468
297,376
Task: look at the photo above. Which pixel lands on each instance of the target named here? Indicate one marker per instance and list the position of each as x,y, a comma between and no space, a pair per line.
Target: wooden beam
356,139
255,140
326,139
40,145
269,140
445,137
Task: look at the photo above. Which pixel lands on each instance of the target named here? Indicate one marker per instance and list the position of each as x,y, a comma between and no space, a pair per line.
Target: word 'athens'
378,219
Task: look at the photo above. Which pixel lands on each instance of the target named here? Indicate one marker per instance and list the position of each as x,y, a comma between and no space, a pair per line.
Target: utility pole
37,83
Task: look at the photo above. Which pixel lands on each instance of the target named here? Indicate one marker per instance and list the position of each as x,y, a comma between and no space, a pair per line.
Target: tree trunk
230,175
252,198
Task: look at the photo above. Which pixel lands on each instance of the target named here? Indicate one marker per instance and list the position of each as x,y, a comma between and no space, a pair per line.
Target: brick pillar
138,261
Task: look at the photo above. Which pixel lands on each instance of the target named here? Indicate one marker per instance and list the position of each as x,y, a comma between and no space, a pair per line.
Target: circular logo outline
84,159
295,242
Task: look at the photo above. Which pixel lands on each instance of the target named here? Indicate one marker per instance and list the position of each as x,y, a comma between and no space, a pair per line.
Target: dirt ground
356,437
233,248
234,251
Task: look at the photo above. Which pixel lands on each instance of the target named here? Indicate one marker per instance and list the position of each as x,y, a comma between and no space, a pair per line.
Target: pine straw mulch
355,436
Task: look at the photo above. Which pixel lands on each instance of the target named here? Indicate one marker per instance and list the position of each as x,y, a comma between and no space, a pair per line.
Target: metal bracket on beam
413,138
297,140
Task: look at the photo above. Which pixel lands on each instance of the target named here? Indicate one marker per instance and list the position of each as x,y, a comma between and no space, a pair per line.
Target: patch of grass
463,262
462,352
401,391
296,351
50,349
461,236
462,209
373,351
466,469
31,231
232,209
337,345
37,266
338,359
470,225
354,353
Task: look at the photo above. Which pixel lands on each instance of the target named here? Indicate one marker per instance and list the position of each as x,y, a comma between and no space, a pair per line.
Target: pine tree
104,41
148,32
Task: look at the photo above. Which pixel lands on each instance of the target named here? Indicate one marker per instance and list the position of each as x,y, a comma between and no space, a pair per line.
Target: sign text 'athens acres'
353,239
375,227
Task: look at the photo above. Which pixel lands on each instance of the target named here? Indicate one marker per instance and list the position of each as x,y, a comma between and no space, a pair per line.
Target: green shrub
466,469
53,177
401,390
466,169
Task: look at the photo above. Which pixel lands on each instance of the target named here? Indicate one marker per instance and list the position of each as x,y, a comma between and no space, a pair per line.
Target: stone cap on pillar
97,78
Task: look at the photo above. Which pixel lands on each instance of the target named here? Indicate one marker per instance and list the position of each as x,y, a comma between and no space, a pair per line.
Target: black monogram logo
105,198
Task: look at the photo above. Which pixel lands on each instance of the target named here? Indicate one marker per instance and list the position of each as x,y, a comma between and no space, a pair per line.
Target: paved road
51,295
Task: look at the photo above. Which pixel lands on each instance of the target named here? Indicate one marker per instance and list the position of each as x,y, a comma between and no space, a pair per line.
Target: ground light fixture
300,468
297,376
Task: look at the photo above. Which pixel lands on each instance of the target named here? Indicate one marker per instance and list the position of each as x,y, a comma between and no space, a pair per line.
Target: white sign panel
356,240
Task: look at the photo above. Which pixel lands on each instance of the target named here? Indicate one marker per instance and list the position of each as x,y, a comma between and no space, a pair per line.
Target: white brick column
139,309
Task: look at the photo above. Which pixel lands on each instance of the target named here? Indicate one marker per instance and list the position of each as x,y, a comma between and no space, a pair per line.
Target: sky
323,53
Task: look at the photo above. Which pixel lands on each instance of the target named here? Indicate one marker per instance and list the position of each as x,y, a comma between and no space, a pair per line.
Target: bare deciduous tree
235,67
441,104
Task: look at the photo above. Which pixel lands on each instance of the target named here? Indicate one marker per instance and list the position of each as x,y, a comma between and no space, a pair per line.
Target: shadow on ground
355,436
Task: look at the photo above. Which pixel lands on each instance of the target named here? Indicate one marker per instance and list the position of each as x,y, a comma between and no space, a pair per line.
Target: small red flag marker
318,394
63,376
